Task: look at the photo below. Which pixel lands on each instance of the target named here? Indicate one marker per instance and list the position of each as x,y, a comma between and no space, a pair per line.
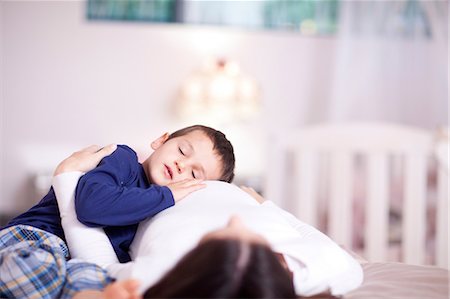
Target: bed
378,189
418,269
392,280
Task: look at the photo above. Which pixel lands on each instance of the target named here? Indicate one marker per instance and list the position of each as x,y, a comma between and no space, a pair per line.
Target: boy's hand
182,188
254,194
85,159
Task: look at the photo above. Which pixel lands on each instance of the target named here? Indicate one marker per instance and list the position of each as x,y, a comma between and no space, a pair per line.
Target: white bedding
161,241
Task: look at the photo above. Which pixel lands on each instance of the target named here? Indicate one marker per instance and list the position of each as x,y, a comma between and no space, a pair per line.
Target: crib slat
414,210
306,187
274,188
340,216
442,225
377,208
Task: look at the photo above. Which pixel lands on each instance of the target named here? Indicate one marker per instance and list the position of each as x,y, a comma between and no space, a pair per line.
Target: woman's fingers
126,289
132,286
85,159
91,149
253,193
106,151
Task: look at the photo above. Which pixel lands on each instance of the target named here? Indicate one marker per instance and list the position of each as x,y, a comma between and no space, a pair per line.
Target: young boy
116,195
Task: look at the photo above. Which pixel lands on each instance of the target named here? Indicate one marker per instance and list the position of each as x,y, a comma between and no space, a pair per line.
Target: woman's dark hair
226,268
222,146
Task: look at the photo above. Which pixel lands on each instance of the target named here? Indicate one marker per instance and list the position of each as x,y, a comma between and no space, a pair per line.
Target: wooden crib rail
296,177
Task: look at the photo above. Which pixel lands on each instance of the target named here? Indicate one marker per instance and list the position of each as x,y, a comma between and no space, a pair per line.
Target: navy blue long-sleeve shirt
116,195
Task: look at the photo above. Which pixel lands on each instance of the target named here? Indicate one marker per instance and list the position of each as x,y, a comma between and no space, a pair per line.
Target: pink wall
68,83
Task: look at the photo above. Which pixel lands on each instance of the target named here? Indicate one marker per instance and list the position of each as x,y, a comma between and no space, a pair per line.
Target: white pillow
163,240
198,213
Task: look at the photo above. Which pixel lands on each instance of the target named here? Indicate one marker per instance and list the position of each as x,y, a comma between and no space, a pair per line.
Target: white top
317,263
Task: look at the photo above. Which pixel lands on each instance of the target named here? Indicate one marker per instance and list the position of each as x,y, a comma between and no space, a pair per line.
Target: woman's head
224,265
236,229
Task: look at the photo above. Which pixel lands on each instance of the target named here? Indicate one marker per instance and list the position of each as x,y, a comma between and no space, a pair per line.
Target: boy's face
184,157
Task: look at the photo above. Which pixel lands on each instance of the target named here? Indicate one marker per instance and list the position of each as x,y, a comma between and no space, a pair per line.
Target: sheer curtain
391,63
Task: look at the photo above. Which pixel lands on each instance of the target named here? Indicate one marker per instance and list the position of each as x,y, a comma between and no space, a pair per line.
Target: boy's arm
103,196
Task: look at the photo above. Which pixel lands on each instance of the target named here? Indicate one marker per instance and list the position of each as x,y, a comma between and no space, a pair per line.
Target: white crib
331,160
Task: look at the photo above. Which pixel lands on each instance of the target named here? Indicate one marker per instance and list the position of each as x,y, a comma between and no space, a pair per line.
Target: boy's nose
180,166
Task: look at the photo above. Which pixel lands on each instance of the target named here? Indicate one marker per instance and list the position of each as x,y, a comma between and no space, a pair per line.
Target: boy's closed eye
181,151
184,154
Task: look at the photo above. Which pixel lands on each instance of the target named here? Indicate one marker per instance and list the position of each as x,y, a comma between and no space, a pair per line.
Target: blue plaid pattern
83,276
33,265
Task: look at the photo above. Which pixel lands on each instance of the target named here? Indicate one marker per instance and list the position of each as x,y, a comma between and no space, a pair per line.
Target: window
306,16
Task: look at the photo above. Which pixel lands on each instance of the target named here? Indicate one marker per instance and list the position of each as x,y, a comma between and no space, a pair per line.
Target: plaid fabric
84,276
33,265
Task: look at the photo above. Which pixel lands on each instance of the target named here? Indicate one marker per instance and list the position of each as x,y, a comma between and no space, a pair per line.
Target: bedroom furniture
325,166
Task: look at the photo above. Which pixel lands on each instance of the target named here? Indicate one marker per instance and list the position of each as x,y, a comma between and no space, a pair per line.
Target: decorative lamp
218,92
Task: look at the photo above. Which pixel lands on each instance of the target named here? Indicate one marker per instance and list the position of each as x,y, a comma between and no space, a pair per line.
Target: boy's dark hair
221,144
226,268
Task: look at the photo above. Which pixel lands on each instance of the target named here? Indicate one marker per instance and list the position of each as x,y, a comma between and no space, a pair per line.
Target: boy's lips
168,172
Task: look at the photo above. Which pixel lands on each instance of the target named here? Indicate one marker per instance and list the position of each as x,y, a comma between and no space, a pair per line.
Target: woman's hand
126,289
254,194
85,159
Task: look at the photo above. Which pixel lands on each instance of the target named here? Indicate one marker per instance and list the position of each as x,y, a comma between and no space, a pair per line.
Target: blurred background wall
67,82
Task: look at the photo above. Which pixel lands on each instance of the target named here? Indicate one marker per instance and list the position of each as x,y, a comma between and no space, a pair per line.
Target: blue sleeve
115,193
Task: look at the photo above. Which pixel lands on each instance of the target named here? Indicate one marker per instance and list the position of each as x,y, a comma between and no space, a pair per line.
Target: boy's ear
160,141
